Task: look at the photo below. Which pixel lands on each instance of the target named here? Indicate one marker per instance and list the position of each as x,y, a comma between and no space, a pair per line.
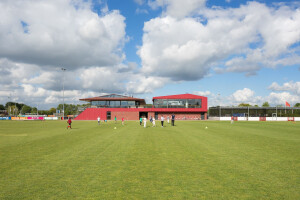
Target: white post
219,106
276,113
248,114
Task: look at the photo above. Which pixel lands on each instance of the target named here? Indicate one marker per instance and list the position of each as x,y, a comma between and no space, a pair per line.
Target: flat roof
180,96
114,97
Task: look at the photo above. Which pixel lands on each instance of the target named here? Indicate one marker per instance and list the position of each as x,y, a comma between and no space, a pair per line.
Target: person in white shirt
145,122
162,119
98,120
168,119
153,122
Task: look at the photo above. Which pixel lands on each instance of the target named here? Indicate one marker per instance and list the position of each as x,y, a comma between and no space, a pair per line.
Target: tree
12,110
244,105
266,104
70,109
52,110
2,107
26,109
34,110
297,105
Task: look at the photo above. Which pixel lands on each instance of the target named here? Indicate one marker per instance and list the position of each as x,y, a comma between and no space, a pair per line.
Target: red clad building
183,106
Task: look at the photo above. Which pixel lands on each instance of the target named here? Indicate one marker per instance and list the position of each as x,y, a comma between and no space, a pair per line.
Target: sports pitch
244,160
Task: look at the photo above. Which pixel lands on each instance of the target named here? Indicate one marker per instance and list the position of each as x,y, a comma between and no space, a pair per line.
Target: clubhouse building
184,106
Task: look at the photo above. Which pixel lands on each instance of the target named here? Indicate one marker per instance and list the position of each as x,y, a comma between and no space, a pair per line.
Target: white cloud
38,37
243,95
61,33
282,97
289,87
247,95
243,39
141,84
178,8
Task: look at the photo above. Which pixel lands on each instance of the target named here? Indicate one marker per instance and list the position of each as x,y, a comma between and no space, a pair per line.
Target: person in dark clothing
173,120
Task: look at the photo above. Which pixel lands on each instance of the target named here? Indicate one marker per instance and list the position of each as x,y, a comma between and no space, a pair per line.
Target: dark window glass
115,103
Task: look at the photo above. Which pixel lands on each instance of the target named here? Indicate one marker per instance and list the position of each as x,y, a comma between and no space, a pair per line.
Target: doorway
143,114
108,115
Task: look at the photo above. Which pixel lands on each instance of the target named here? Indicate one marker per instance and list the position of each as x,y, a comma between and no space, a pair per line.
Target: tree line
14,108
265,104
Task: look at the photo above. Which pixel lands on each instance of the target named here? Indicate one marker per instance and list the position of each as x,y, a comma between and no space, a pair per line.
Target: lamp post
9,111
63,69
219,106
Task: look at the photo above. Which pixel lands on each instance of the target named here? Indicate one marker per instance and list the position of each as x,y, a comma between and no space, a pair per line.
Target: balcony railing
177,106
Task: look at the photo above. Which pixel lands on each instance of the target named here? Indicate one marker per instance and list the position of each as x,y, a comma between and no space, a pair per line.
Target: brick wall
126,115
133,114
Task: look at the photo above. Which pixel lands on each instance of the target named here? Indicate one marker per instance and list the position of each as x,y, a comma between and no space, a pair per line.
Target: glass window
115,103
176,102
127,103
194,103
198,103
124,103
103,103
158,102
165,102
131,103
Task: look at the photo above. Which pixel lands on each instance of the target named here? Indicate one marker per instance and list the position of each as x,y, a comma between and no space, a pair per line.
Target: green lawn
244,160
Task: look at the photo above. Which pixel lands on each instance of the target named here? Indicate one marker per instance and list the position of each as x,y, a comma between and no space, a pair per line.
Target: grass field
245,160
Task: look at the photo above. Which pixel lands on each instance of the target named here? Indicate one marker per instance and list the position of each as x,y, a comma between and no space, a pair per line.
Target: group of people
162,119
99,119
142,119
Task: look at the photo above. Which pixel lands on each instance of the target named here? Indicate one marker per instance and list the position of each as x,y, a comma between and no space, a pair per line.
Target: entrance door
108,115
202,116
144,114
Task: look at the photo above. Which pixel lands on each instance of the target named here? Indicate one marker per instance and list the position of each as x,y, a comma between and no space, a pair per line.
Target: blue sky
232,51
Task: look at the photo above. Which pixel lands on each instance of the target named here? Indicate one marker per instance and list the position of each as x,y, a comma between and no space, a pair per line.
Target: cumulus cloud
141,84
282,97
243,39
243,95
177,8
247,95
289,87
60,33
187,42
35,85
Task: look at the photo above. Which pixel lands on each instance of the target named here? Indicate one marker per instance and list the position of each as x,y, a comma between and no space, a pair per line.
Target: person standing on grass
173,120
123,121
168,119
232,119
98,120
141,120
153,122
145,122
69,122
162,119
115,119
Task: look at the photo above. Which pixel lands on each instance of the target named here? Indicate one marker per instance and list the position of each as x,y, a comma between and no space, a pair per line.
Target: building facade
183,106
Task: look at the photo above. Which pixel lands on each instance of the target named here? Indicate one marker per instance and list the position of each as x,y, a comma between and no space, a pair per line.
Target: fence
254,111
29,118
259,119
